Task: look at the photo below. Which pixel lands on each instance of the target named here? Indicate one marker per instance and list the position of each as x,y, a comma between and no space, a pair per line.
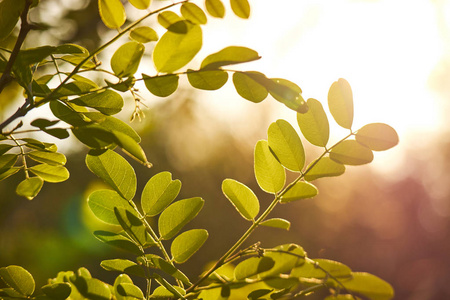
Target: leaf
102,204
242,198
5,148
310,269
301,190
270,175
107,102
172,22
162,293
71,49
131,147
290,256
340,102
252,266
207,80
350,152
288,93
113,124
19,279
377,136
257,294
156,262
229,56
88,287
112,13
241,8
117,240
158,193
7,161
123,266
140,4
59,133
74,88
286,145
122,85
144,34
134,227
5,173
50,173
50,158
10,11
65,112
30,187
77,59
114,170
33,55
249,88
277,223
369,285
174,50
129,291
38,145
57,291
43,123
125,61
162,85
215,8
325,167
187,243
175,290
193,13
314,124
177,215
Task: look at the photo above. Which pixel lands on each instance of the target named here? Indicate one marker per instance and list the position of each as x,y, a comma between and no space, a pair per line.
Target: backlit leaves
350,152
277,223
248,87
126,59
215,8
229,56
187,243
242,198
161,86
340,102
117,240
300,190
50,173
102,204
133,226
10,11
369,285
107,102
112,13
18,279
314,124
325,167
193,13
208,79
269,173
123,266
140,4
377,136
252,266
241,8
144,34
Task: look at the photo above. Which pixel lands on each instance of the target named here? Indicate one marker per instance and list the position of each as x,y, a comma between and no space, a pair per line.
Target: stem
23,156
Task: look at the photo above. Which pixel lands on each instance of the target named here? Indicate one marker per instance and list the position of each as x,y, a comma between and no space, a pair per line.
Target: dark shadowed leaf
161,86
123,266
248,87
144,34
340,102
117,240
350,152
107,102
156,262
242,198
215,8
325,167
57,291
50,173
126,59
277,223
102,203
133,226
7,161
187,243
193,13
43,123
5,148
19,279
269,173
5,173
314,124
252,266
377,136
288,93
241,8
10,11
112,13
301,190
59,133
208,79
229,56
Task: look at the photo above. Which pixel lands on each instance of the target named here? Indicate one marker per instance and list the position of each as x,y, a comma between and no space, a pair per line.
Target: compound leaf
144,34
340,102
253,266
112,13
49,173
301,190
229,56
241,8
314,124
242,198
277,223
187,243
125,61
325,167
162,85
208,79
193,13
102,203
19,279
269,173
215,8
350,152
377,136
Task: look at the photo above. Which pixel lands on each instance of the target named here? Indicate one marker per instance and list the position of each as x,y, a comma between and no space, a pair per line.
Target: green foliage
85,108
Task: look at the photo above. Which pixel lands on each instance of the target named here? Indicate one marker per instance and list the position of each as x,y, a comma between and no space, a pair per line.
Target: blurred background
390,218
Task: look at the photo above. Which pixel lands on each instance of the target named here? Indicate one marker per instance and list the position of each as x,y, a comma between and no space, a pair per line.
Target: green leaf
241,8
314,124
102,203
270,175
288,93
50,158
314,269
38,145
68,114
5,148
75,88
121,279
140,4
171,21
5,173
59,133
350,152
325,167
117,240
290,256
88,287
176,291
156,262
207,80
162,293
174,50
10,11
369,286
19,279
229,56
95,136
43,123
125,61
34,55
257,294
112,13
242,198
7,161
128,291
193,13
377,136
162,85
50,173
277,223
71,49
144,34
340,102
131,147
113,124
30,187
134,227
253,266
286,145
57,291
107,102
122,85
123,266
177,215
114,170
158,193
341,297
77,59
249,88
187,243
301,190
215,8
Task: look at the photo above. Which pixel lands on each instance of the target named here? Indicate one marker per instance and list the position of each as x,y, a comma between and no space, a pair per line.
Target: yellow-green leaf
207,80
242,198
144,34
301,190
215,8
158,193
277,223
193,13
107,102
50,173
171,21
253,266
102,203
249,88
133,226
314,124
187,243
350,152
377,136
140,4
112,13
325,167
19,279
241,8
48,157
340,102
30,187
10,11
269,173
369,286
162,85
288,93
229,56
123,266
126,59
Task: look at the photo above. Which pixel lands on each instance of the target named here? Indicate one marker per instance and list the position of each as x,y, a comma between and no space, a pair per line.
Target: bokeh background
390,218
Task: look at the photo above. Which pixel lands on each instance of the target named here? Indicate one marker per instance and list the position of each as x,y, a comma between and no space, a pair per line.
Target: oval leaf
229,56
277,223
340,102
174,50
252,266
249,88
114,170
315,269
270,175
133,226
129,291
50,173
117,240
112,13
7,161
187,243
242,198
193,13
325,167
126,59
288,93
30,187
284,262
140,4
156,262
57,291
177,215
102,203
215,8
241,8
144,34
161,86
158,193
19,279
171,21
301,190
286,145
314,124
207,80
351,152
107,102
48,157
369,285
10,11
377,136
123,266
